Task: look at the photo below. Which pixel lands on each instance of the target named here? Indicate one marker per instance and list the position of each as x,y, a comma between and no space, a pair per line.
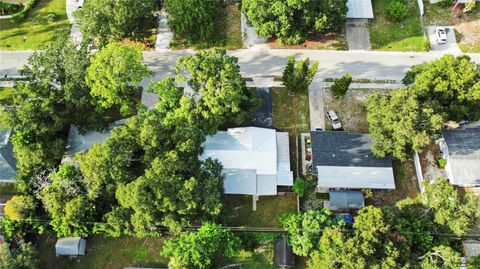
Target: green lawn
238,210
8,189
5,94
105,252
291,114
47,20
390,36
228,33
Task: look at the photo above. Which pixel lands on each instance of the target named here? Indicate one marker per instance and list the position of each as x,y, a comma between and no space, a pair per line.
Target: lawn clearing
105,252
406,185
238,210
43,24
392,36
5,94
291,114
260,258
228,33
350,109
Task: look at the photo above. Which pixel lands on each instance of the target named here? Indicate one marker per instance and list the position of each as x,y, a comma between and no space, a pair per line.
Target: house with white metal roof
8,163
461,150
255,160
359,9
344,160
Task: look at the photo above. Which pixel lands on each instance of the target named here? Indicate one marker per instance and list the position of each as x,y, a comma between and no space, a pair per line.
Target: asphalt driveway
451,45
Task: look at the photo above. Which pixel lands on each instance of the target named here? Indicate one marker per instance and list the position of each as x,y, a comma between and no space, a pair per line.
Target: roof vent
366,156
333,155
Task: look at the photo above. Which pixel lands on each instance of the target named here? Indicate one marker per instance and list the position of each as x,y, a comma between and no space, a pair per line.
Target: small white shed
70,246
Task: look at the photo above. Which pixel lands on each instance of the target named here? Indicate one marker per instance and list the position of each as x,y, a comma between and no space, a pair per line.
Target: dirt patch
428,162
469,31
350,109
327,41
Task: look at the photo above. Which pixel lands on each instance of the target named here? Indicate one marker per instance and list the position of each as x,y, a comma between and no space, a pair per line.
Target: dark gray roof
8,163
344,149
346,200
283,253
462,141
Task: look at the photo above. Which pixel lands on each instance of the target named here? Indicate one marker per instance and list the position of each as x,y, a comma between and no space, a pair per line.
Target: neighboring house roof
359,9
70,246
255,160
345,160
346,200
463,156
282,253
8,163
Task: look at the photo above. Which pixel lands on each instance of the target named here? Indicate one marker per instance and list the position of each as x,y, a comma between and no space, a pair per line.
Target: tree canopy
294,21
298,76
201,249
19,207
114,76
25,256
449,85
399,124
105,20
192,19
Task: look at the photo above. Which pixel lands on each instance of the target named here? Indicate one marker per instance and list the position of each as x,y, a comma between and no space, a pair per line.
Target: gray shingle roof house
461,149
70,246
255,160
346,200
8,163
345,160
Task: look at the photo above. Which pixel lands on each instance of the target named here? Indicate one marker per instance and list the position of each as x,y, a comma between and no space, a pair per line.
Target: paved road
268,62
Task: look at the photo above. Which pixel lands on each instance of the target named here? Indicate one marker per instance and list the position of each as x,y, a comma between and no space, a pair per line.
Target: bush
9,8
302,187
340,85
442,163
22,14
396,10
19,207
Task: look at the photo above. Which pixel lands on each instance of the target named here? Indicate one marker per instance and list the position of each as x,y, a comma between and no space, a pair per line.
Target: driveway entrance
358,37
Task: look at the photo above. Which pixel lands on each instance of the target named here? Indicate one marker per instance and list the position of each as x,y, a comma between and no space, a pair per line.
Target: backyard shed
346,200
283,254
359,9
70,246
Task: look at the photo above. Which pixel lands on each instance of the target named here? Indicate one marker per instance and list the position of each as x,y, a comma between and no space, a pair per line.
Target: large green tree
66,202
220,91
297,76
105,20
54,96
192,19
201,249
399,124
114,76
305,229
449,85
441,257
25,256
293,21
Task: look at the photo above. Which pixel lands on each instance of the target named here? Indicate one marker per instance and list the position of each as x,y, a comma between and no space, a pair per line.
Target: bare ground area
428,161
329,41
350,109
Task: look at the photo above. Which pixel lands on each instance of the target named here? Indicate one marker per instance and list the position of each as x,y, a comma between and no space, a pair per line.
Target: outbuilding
70,246
344,200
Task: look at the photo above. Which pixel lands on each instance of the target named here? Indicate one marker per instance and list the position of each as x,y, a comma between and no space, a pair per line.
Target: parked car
441,35
333,119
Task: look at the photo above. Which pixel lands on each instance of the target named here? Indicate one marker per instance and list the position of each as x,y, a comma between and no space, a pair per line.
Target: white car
333,119
441,35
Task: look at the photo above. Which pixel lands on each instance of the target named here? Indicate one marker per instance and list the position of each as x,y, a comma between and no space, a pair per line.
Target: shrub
9,8
442,163
368,193
22,14
301,186
340,85
396,10
19,207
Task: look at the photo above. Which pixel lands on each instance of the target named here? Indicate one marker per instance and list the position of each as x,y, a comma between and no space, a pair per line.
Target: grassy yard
228,33
260,258
238,210
103,252
44,23
8,189
291,114
406,185
5,94
391,36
